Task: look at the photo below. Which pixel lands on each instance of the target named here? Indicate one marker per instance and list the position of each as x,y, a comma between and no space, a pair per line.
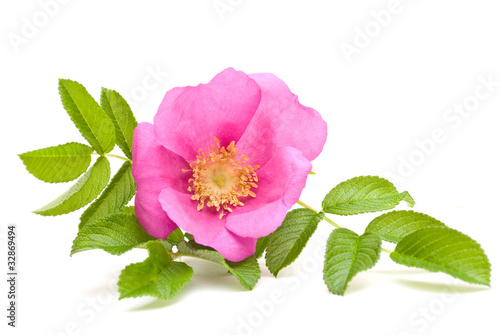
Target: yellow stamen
220,179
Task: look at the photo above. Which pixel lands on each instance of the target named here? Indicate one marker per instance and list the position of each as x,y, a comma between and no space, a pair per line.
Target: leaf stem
330,221
115,156
327,219
119,157
306,206
387,250
180,254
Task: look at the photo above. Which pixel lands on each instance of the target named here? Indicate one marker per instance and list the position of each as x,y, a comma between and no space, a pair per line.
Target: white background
396,90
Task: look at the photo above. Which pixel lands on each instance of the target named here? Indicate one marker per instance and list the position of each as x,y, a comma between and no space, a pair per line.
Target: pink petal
154,168
232,247
281,121
189,117
205,226
149,212
152,160
280,184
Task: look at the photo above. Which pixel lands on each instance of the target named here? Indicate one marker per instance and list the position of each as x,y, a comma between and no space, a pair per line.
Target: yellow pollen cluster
221,178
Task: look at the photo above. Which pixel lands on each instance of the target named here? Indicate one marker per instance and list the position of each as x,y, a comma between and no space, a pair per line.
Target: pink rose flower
225,161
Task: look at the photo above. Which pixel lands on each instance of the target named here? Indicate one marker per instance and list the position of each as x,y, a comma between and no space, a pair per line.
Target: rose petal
189,117
280,184
149,212
152,160
233,247
205,226
153,169
280,121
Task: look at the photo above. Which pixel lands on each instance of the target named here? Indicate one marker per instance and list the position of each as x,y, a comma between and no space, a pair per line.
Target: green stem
115,156
327,219
180,254
119,157
306,206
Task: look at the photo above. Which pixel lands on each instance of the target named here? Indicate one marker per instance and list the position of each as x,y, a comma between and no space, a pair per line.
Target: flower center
221,178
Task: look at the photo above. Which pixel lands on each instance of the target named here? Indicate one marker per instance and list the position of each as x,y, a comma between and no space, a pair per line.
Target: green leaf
123,119
247,271
346,255
197,246
116,195
58,164
128,210
116,234
393,226
158,276
176,236
86,189
363,195
87,116
261,246
287,242
445,250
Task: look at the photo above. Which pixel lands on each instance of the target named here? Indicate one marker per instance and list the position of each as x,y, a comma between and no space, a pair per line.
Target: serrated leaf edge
436,266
